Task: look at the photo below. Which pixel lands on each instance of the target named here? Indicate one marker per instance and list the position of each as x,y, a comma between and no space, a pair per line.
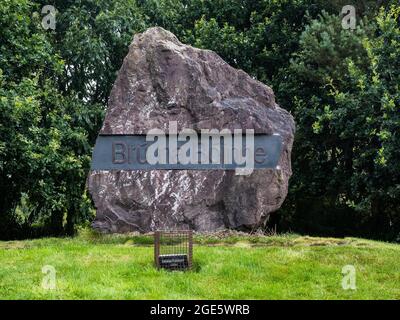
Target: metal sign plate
129,152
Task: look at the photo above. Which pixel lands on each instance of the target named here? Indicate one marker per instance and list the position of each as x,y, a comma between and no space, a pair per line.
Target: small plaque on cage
174,261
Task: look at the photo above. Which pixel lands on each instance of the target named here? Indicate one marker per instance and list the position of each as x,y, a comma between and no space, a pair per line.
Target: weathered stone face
163,80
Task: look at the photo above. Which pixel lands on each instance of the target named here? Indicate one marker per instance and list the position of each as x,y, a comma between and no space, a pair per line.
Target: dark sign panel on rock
129,153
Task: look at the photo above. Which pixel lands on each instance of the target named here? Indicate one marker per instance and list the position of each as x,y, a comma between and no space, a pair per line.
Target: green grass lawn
92,266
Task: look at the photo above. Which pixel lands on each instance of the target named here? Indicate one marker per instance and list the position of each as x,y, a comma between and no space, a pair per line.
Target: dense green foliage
344,94
342,86
44,132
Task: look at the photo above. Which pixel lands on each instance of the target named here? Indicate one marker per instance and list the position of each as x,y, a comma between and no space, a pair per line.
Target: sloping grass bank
227,266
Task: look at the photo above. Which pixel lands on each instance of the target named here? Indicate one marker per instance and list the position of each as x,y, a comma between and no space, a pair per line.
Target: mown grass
232,266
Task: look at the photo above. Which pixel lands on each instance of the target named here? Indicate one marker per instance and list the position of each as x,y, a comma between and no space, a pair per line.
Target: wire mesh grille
173,250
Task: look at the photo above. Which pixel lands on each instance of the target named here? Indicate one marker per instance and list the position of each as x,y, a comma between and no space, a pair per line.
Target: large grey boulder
163,80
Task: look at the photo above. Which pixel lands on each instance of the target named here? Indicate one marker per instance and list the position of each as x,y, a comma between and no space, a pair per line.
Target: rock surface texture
163,80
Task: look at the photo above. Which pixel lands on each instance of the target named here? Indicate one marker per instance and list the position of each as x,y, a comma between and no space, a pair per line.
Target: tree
343,88
44,141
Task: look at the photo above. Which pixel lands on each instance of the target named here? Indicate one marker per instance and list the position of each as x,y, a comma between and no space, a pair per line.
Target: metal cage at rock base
173,250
